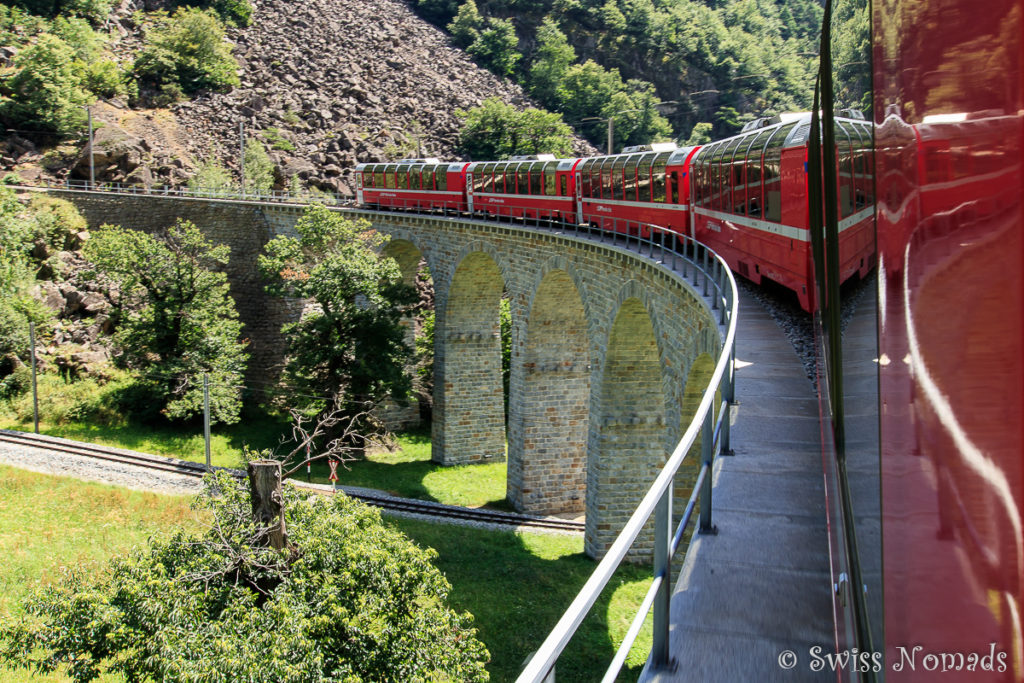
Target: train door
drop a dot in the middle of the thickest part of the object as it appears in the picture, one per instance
(578, 194)
(359, 187)
(469, 191)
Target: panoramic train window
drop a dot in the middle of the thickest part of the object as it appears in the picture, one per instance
(584, 179)
(658, 176)
(487, 178)
(535, 183)
(416, 178)
(643, 178)
(702, 174)
(389, 176)
(606, 178)
(755, 199)
(441, 177)
(617, 168)
(402, 178)
(378, 175)
(737, 176)
(550, 172)
(629, 179)
(844, 169)
(772, 173)
(715, 177)
(510, 178)
(523, 179)
(726, 173)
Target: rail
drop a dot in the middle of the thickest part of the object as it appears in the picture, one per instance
(711, 276)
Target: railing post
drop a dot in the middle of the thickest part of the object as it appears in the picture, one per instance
(706, 273)
(663, 568)
(707, 449)
(729, 394)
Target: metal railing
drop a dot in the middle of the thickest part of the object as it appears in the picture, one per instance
(710, 277)
(301, 198)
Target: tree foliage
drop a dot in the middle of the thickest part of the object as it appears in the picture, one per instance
(349, 341)
(45, 91)
(496, 130)
(492, 42)
(351, 600)
(187, 53)
(176, 318)
(259, 169)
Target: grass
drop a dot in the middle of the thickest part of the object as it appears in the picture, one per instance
(407, 471)
(50, 525)
(516, 585)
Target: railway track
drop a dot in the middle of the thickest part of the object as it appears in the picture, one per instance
(385, 502)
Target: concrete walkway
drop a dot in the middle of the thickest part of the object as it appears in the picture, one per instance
(761, 586)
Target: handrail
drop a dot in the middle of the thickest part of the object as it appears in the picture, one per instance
(705, 268)
(658, 501)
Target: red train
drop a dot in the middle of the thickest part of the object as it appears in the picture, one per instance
(746, 196)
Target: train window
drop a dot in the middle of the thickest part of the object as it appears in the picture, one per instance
(535, 180)
(738, 176)
(753, 162)
(487, 178)
(771, 173)
(700, 190)
(844, 168)
(674, 187)
(583, 178)
(402, 178)
(606, 178)
(550, 178)
(510, 178)
(658, 177)
(564, 185)
(523, 179)
(617, 167)
(416, 178)
(726, 173)
(643, 180)
(389, 176)
(441, 178)
(478, 179)
(378, 175)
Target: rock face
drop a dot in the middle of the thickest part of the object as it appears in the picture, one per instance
(343, 83)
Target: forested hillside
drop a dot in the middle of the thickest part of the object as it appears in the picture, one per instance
(721, 61)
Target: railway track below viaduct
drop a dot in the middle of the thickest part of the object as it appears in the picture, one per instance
(121, 459)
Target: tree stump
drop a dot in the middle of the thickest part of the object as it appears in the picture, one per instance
(268, 501)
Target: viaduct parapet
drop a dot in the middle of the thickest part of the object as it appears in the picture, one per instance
(608, 347)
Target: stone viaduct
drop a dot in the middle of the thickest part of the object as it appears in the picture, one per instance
(607, 346)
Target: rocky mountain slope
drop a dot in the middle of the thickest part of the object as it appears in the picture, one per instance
(325, 84)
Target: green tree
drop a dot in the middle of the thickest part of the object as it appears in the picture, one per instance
(187, 53)
(349, 341)
(18, 307)
(259, 169)
(351, 599)
(495, 47)
(554, 57)
(212, 177)
(467, 24)
(700, 135)
(176, 319)
(496, 130)
(45, 90)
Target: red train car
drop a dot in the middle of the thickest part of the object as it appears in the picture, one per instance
(536, 186)
(750, 201)
(413, 184)
(623, 192)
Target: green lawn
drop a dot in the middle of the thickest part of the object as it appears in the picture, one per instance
(516, 585)
(406, 472)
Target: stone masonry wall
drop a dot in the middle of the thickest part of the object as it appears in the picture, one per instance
(603, 341)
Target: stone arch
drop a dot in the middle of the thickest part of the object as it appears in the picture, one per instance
(408, 257)
(627, 437)
(469, 411)
(550, 402)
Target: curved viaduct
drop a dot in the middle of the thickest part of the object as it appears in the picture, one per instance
(604, 345)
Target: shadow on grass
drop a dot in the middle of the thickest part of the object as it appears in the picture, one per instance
(517, 587)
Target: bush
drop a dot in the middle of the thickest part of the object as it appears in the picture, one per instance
(259, 169)
(187, 53)
(350, 600)
(64, 401)
(45, 92)
(211, 176)
(496, 130)
(177, 319)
